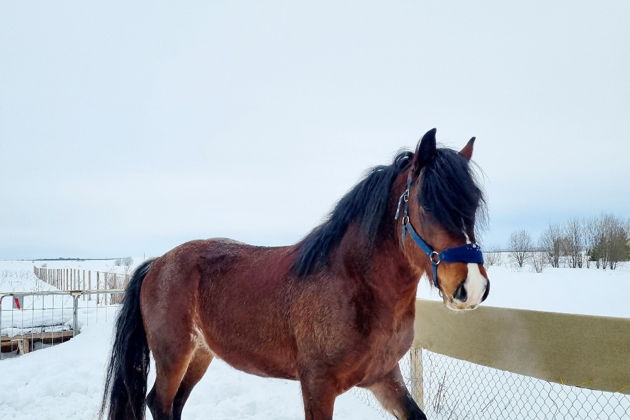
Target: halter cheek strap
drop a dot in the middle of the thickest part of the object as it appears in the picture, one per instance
(469, 253)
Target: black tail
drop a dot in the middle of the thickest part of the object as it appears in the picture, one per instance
(126, 381)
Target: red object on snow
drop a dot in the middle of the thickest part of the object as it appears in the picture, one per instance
(16, 302)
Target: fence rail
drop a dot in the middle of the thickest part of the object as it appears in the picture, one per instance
(498, 363)
(33, 320)
(503, 364)
(579, 350)
(76, 279)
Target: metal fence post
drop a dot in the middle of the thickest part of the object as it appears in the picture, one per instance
(415, 356)
(75, 313)
(1, 297)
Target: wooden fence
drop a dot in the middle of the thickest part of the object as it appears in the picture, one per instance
(76, 279)
(590, 352)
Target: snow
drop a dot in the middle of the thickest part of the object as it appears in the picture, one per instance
(65, 381)
(567, 290)
(18, 276)
(105, 265)
(52, 312)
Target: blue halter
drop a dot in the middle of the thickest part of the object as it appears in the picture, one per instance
(469, 253)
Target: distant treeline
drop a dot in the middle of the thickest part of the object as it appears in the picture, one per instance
(603, 240)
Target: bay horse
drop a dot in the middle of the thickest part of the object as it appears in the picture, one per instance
(333, 311)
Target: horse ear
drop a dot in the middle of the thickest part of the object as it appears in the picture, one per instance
(467, 151)
(425, 151)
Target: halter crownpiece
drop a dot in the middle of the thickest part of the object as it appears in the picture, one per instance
(469, 253)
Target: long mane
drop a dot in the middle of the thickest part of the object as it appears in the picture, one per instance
(366, 203)
(449, 192)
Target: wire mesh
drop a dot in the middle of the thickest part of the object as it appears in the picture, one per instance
(33, 320)
(468, 390)
(455, 389)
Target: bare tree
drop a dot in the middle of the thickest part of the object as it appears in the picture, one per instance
(538, 261)
(619, 238)
(551, 242)
(592, 235)
(574, 242)
(492, 258)
(520, 247)
(610, 241)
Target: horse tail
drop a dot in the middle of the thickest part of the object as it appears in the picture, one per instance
(126, 378)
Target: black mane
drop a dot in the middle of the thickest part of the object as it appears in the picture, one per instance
(449, 193)
(366, 202)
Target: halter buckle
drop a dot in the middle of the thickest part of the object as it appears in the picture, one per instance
(435, 258)
(404, 198)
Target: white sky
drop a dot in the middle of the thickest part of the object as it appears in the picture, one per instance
(130, 127)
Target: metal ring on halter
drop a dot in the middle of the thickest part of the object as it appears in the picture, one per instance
(405, 220)
(433, 257)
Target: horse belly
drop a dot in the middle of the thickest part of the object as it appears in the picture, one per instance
(248, 329)
(257, 352)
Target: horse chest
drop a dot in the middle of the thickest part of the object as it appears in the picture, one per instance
(384, 349)
(397, 341)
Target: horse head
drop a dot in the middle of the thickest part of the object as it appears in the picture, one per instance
(437, 213)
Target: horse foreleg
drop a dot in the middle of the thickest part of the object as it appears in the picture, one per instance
(319, 393)
(393, 395)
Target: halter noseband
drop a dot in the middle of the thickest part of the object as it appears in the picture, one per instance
(469, 253)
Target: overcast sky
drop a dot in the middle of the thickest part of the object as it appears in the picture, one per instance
(127, 128)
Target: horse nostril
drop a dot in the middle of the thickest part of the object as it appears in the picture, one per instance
(487, 292)
(460, 293)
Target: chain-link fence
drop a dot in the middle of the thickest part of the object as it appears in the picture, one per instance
(453, 389)
(458, 389)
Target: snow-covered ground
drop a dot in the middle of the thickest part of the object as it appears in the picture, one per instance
(568, 290)
(65, 381)
(17, 276)
(110, 265)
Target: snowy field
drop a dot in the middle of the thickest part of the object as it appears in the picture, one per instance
(65, 381)
(567, 290)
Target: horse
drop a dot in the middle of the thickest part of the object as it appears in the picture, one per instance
(333, 311)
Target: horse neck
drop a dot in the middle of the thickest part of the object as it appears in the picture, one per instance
(390, 274)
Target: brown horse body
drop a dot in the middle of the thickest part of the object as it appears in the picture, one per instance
(342, 326)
